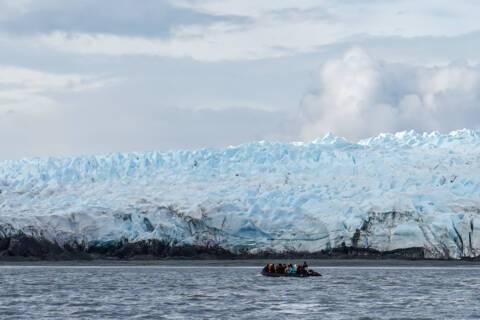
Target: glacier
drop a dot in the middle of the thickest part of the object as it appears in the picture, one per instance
(385, 193)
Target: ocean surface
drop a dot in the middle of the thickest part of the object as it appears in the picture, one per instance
(209, 292)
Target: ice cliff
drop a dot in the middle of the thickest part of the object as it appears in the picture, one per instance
(392, 191)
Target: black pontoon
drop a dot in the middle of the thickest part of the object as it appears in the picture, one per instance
(309, 273)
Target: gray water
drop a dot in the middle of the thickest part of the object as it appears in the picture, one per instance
(171, 292)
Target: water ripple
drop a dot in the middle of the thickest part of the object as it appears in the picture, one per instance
(237, 293)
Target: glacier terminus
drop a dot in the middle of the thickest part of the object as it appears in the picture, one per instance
(408, 194)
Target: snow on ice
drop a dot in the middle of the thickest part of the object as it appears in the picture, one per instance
(387, 192)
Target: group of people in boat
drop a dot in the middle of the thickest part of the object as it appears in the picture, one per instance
(287, 269)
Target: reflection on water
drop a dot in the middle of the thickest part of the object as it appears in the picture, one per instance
(237, 293)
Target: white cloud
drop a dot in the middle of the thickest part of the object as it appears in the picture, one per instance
(26, 90)
(34, 80)
(277, 28)
(250, 8)
(357, 96)
(210, 43)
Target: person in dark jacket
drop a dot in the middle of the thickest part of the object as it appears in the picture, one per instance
(305, 266)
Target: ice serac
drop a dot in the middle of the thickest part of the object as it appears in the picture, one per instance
(389, 192)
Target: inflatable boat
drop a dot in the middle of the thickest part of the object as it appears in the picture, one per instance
(310, 273)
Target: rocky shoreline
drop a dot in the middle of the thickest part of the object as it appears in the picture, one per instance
(22, 247)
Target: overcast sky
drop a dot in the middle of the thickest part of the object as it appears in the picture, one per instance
(86, 76)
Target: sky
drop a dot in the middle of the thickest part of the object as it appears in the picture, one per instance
(94, 77)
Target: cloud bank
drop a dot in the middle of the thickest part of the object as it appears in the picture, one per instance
(150, 18)
(358, 96)
(219, 30)
(85, 76)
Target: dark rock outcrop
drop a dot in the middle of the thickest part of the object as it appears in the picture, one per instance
(25, 247)
(22, 246)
